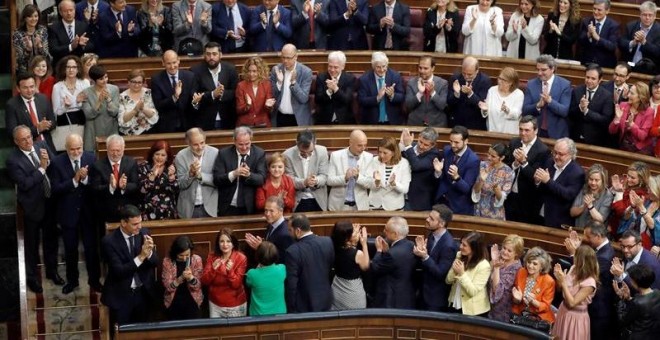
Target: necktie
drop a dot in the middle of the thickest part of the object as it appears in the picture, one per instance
(192, 10)
(269, 30)
(456, 159)
(34, 118)
(35, 159)
(119, 18)
(230, 17)
(591, 95)
(388, 37)
(381, 106)
(132, 240)
(310, 13)
(598, 27)
(240, 199)
(173, 81)
(70, 32)
(544, 110)
(76, 165)
(46, 182)
(269, 231)
(115, 171)
(91, 12)
(427, 94)
(638, 50)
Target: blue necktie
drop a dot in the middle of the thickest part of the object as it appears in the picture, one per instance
(232, 26)
(598, 27)
(382, 117)
(269, 31)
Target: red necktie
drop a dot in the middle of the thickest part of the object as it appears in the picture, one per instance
(115, 171)
(544, 110)
(192, 10)
(34, 118)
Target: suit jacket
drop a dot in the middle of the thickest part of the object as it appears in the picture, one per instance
(423, 182)
(591, 128)
(435, 292)
(115, 45)
(226, 162)
(29, 181)
(369, 106)
(17, 113)
(173, 116)
(258, 114)
(347, 34)
(600, 309)
(556, 112)
(560, 46)
(525, 205)
(458, 194)
(474, 291)
(308, 265)
(393, 271)
(386, 196)
(209, 107)
(431, 112)
(337, 184)
(262, 39)
(282, 239)
(318, 166)
(197, 30)
(93, 26)
(603, 51)
(431, 30)
(58, 40)
(400, 30)
(299, 93)
(74, 202)
(220, 26)
(339, 104)
(558, 195)
(609, 85)
(109, 204)
(647, 258)
(148, 32)
(188, 185)
(301, 25)
(121, 268)
(649, 50)
(465, 110)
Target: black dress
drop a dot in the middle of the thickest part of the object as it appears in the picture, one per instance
(560, 46)
(183, 305)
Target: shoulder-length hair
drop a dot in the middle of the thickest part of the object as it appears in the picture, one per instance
(644, 95)
(341, 233)
(27, 11)
(478, 246)
(573, 11)
(145, 6)
(642, 170)
(537, 253)
(35, 61)
(535, 8)
(179, 245)
(60, 69)
(157, 146)
(390, 143)
(229, 233)
(451, 6)
(596, 169)
(262, 68)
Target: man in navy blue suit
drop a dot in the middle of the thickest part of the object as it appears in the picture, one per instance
(592, 109)
(131, 257)
(467, 89)
(393, 266)
(308, 263)
(599, 36)
(172, 91)
(347, 22)
(119, 31)
(381, 93)
(270, 26)
(458, 170)
(68, 36)
(230, 22)
(277, 231)
(559, 182)
(548, 97)
(72, 187)
(642, 40)
(437, 252)
(420, 155)
(634, 253)
(88, 11)
(389, 22)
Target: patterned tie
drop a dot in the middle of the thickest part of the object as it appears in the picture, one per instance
(598, 27)
(46, 181)
(544, 110)
(76, 165)
(381, 106)
(70, 32)
(35, 159)
(388, 37)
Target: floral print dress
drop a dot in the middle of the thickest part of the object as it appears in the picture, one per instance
(160, 195)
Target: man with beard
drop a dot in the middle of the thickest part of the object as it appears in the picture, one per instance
(634, 254)
(426, 96)
(420, 155)
(214, 97)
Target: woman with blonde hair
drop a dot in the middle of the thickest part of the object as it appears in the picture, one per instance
(633, 183)
(633, 120)
(388, 177)
(440, 27)
(594, 201)
(155, 21)
(277, 183)
(483, 27)
(254, 96)
(505, 262)
(534, 288)
(524, 31)
(88, 60)
(562, 28)
(645, 216)
(504, 102)
(137, 112)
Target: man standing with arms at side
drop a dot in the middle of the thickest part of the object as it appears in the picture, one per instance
(467, 90)
(172, 91)
(529, 153)
(26, 166)
(426, 96)
(291, 82)
(307, 164)
(277, 230)
(334, 92)
(421, 156)
(437, 252)
(591, 110)
(72, 188)
(308, 264)
(198, 196)
(344, 170)
(238, 171)
(214, 97)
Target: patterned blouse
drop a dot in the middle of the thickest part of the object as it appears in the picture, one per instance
(140, 123)
(501, 298)
(23, 54)
(160, 195)
(487, 205)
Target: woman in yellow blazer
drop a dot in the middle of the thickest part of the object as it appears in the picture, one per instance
(468, 277)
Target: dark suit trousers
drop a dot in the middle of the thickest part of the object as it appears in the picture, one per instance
(89, 234)
(518, 210)
(135, 310)
(33, 232)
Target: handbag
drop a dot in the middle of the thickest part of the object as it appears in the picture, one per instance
(530, 320)
(61, 132)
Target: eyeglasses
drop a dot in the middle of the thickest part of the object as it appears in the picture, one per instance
(560, 154)
(71, 67)
(285, 57)
(136, 82)
(630, 246)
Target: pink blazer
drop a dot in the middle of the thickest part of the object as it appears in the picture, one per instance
(168, 276)
(640, 129)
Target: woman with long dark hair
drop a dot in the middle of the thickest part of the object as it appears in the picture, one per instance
(158, 183)
(493, 184)
(562, 28)
(468, 277)
(30, 39)
(388, 177)
(347, 288)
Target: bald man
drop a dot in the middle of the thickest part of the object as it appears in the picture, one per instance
(343, 172)
(466, 90)
(68, 35)
(291, 82)
(172, 91)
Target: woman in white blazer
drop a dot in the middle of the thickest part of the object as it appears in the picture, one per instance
(387, 177)
(525, 23)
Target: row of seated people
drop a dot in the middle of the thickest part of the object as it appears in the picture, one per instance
(210, 95)
(292, 270)
(117, 30)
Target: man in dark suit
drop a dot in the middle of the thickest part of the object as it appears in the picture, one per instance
(172, 91)
(114, 181)
(270, 26)
(26, 166)
(309, 19)
(420, 155)
(642, 40)
(230, 22)
(559, 182)
(634, 253)
(393, 267)
(238, 171)
(529, 153)
(548, 97)
(467, 90)
(591, 110)
(458, 170)
(277, 231)
(347, 21)
(381, 93)
(68, 36)
(131, 257)
(437, 253)
(30, 109)
(599, 36)
(308, 264)
(72, 188)
(88, 11)
(334, 92)
(119, 31)
(214, 97)
(618, 85)
(389, 22)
